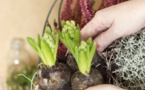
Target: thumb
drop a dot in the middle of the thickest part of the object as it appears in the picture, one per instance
(104, 87)
(106, 38)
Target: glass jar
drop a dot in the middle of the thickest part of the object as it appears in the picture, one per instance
(19, 63)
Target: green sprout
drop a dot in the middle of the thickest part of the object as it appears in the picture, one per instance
(46, 47)
(70, 34)
(82, 51)
(84, 54)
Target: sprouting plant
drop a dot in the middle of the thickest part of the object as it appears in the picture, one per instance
(46, 47)
(70, 35)
(82, 51)
(83, 54)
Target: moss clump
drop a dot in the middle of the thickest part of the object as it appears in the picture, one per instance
(128, 53)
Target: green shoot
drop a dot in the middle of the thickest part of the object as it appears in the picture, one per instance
(46, 47)
(83, 55)
(82, 51)
(70, 35)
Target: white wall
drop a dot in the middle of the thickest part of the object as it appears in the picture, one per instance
(21, 18)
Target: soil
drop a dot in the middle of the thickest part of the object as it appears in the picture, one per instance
(54, 78)
(81, 82)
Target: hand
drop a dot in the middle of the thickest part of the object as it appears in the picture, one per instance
(114, 22)
(104, 87)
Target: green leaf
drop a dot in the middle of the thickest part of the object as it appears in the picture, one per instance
(59, 34)
(92, 53)
(88, 53)
(46, 50)
(63, 23)
(33, 43)
(39, 40)
(67, 36)
(77, 37)
(89, 42)
(47, 30)
(71, 45)
(62, 39)
(66, 43)
(82, 62)
(36, 48)
(76, 54)
(56, 46)
(93, 50)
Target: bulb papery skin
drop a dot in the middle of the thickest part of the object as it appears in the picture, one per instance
(80, 81)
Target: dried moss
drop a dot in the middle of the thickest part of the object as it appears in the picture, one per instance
(128, 53)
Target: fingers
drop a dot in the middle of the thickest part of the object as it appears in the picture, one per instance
(96, 25)
(104, 87)
(107, 37)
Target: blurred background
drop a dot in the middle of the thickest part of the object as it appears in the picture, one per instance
(18, 20)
